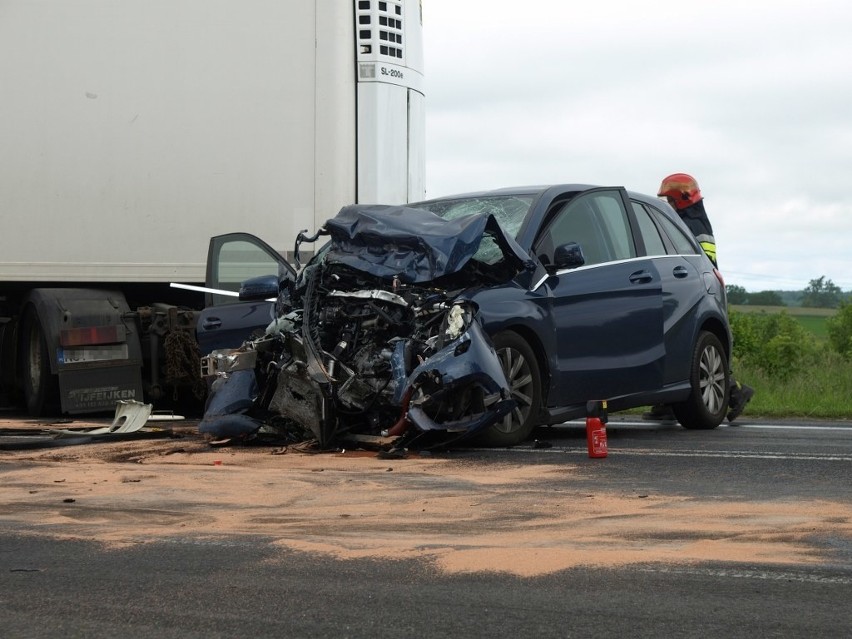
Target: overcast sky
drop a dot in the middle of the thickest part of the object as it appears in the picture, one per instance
(752, 97)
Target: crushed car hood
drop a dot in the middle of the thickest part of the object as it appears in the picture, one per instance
(415, 245)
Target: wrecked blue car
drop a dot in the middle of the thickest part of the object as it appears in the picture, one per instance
(375, 335)
(475, 317)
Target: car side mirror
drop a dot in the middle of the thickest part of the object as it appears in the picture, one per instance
(258, 288)
(568, 255)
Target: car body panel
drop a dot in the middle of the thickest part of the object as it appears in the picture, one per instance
(609, 321)
(619, 327)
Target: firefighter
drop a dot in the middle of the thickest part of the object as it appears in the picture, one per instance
(682, 193)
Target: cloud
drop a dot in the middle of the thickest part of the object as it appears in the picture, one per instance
(751, 98)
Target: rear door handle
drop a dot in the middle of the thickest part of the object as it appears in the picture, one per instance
(211, 323)
(680, 272)
(640, 277)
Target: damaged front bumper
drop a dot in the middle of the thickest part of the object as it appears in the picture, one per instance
(466, 380)
(455, 393)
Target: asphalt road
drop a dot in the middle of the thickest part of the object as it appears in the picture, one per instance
(758, 459)
(248, 587)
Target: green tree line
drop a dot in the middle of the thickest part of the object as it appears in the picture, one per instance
(820, 293)
(794, 373)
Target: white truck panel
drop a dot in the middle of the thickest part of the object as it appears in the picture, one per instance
(335, 113)
(382, 168)
(391, 135)
(416, 147)
(133, 131)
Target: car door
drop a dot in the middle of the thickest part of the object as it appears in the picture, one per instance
(226, 321)
(608, 313)
(677, 258)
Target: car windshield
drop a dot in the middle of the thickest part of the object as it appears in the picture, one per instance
(509, 210)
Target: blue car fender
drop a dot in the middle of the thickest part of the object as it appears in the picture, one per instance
(468, 360)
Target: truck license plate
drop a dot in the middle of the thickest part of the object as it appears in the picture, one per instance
(93, 354)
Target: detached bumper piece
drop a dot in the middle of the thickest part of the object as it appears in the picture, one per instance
(129, 423)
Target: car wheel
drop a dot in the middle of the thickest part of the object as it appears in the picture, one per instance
(41, 388)
(521, 368)
(709, 379)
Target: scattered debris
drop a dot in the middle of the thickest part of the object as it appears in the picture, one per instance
(128, 424)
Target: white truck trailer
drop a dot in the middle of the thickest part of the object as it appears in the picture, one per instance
(132, 131)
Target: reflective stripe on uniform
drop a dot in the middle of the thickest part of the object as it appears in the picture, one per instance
(710, 250)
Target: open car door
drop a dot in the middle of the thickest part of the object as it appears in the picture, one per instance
(227, 321)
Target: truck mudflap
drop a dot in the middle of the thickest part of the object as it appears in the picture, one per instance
(96, 390)
(91, 344)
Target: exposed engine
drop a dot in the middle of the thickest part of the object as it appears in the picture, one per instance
(359, 329)
(369, 340)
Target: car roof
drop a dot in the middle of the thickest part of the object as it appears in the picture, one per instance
(513, 190)
(650, 199)
(538, 189)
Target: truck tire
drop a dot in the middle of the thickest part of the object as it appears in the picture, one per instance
(41, 388)
(709, 379)
(521, 368)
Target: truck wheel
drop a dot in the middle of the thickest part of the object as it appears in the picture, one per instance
(41, 389)
(709, 378)
(521, 368)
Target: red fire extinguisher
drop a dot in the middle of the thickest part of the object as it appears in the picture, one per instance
(596, 428)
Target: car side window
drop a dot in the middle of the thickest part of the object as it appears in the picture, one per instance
(597, 222)
(654, 244)
(681, 241)
(615, 222)
(235, 261)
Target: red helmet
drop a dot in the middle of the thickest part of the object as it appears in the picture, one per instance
(680, 189)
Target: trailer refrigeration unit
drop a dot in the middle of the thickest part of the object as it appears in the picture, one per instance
(134, 131)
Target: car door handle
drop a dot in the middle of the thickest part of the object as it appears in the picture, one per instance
(211, 323)
(640, 277)
(680, 272)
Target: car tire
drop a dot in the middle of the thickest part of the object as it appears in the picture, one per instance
(709, 379)
(41, 388)
(522, 372)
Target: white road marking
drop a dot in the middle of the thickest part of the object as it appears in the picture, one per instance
(786, 427)
(614, 423)
(653, 452)
(744, 454)
(754, 574)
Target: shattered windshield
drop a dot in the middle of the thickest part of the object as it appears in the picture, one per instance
(509, 211)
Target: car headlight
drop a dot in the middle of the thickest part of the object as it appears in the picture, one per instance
(457, 321)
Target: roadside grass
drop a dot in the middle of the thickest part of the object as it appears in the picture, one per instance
(816, 391)
(790, 310)
(817, 387)
(819, 391)
(814, 324)
(812, 319)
